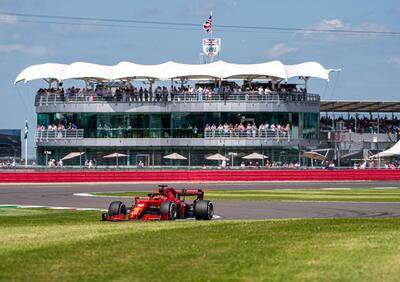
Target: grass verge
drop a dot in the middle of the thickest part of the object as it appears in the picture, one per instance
(51, 245)
(340, 194)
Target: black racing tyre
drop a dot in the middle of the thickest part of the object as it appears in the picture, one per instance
(204, 210)
(169, 208)
(116, 208)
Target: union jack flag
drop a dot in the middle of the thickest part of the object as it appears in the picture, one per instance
(208, 25)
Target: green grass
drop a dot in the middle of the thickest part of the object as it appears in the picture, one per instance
(352, 195)
(63, 245)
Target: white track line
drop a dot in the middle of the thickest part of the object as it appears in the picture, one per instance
(52, 207)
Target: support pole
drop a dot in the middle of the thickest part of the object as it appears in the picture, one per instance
(189, 159)
(378, 123)
(26, 152)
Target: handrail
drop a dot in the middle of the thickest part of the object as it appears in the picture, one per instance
(265, 134)
(45, 99)
(249, 133)
(59, 134)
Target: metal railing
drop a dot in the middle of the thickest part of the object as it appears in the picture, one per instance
(121, 132)
(59, 134)
(44, 99)
(63, 134)
(267, 134)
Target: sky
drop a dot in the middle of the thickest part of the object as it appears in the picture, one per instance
(370, 63)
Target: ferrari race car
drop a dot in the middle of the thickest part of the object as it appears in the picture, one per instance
(165, 204)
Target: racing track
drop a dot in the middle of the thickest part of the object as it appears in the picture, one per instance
(62, 195)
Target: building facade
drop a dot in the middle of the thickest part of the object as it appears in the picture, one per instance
(145, 123)
(10, 145)
(193, 125)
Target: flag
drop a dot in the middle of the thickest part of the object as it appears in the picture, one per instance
(26, 129)
(208, 25)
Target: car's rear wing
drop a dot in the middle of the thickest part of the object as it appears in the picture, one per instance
(190, 192)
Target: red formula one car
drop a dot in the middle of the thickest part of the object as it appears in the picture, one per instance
(165, 204)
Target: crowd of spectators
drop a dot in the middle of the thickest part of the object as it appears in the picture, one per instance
(247, 130)
(371, 164)
(362, 125)
(55, 131)
(59, 127)
(269, 164)
(130, 93)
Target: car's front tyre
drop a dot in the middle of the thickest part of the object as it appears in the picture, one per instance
(170, 209)
(116, 208)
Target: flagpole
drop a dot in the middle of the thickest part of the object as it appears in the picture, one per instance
(26, 142)
(211, 25)
(212, 58)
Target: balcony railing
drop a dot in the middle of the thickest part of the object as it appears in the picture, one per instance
(60, 134)
(65, 134)
(45, 99)
(267, 134)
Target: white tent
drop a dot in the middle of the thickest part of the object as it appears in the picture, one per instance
(72, 155)
(175, 156)
(314, 156)
(217, 157)
(255, 156)
(393, 151)
(171, 70)
(116, 156)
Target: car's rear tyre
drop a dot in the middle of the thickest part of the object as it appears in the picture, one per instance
(204, 210)
(169, 208)
(116, 208)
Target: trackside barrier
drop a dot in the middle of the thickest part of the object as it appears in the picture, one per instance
(199, 175)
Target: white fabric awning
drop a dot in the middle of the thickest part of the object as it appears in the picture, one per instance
(43, 71)
(308, 69)
(72, 155)
(393, 151)
(84, 71)
(217, 157)
(314, 156)
(175, 156)
(255, 156)
(115, 155)
(173, 70)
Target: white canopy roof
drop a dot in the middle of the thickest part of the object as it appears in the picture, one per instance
(82, 70)
(393, 151)
(43, 71)
(168, 70)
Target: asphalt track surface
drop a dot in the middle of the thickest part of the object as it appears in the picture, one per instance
(62, 195)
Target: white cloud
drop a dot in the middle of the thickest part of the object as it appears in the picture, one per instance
(338, 24)
(8, 19)
(332, 24)
(278, 50)
(18, 48)
(202, 9)
(394, 60)
(84, 28)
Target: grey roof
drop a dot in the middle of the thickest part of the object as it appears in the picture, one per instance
(360, 106)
